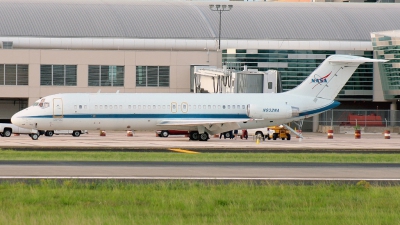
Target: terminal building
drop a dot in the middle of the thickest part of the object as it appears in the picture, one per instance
(49, 47)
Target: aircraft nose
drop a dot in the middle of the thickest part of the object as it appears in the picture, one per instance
(16, 119)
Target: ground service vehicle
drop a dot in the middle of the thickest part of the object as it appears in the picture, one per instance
(75, 133)
(279, 132)
(6, 129)
(166, 133)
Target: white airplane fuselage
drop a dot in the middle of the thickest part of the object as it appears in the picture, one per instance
(134, 111)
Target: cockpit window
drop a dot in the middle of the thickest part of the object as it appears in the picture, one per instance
(42, 103)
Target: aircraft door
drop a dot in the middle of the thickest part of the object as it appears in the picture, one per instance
(57, 108)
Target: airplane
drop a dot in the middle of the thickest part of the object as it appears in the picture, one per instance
(200, 114)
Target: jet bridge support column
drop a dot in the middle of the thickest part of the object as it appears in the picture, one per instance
(393, 108)
(315, 123)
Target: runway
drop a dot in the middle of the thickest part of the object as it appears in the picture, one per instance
(148, 142)
(199, 171)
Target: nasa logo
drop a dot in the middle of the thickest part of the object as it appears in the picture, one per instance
(319, 80)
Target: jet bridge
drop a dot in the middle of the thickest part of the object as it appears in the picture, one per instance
(214, 80)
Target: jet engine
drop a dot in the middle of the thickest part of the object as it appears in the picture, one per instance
(281, 111)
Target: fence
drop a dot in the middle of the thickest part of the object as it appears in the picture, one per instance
(351, 118)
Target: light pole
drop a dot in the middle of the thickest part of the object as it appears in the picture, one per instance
(220, 9)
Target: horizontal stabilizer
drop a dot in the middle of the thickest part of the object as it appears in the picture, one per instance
(353, 59)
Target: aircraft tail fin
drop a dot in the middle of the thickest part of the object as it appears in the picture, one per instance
(329, 78)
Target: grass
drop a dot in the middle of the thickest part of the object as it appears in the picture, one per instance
(181, 202)
(202, 157)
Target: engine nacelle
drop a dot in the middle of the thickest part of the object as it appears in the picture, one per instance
(280, 111)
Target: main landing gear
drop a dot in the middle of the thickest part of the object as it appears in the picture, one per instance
(194, 136)
(34, 136)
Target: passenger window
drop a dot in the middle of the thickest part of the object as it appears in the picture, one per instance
(214, 107)
(223, 107)
(129, 106)
(154, 106)
(115, 107)
(204, 106)
(110, 106)
(139, 107)
(238, 106)
(194, 106)
(134, 106)
(144, 106)
(229, 107)
(219, 107)
(85, 106)
(209, 106)
(120, 106)
(95, 106)
(163, 107)
(243, 107)
(158, 107)
(233, 107)
(101, 106)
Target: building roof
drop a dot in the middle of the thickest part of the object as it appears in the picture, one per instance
(195, 20)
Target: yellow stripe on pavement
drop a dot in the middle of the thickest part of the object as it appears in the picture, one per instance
(183, 151)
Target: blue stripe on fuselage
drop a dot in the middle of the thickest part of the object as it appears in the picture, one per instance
(149, 116)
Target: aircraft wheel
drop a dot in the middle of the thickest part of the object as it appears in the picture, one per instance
(7, 133)
(227, 135)
(49, 133)
(288, 137)
(164, 133)
(76, 133)
(194, 135)
(203, 137)
(34, 136)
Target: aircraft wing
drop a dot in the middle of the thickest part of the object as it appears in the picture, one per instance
(189, 122)
(212, 126)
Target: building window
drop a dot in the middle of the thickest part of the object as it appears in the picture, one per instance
(7, 45)
(13, 74)
(58, 75)
(152, 76)
(106, 75)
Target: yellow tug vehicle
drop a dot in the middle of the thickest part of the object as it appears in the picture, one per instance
(280, 132)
